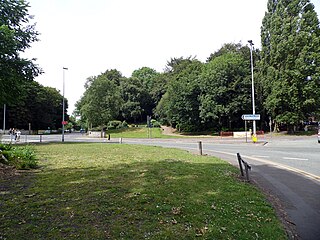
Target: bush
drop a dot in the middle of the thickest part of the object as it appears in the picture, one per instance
(19, 157)
(115, 124)
(125, 124)
(155, 123)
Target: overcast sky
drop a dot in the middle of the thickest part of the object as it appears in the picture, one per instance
(89, 37)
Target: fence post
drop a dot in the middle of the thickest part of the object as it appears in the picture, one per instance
(200, 147)
(240, 164)
(247, 167)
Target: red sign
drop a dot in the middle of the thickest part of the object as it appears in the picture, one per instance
(64, 122)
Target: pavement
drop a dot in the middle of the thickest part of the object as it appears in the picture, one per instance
(295, 197)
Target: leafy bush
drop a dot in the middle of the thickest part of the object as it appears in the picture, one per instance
(125, 124)
(155, 123)
(19, 157)
(115, 124)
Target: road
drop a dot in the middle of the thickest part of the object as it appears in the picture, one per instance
(286, 168)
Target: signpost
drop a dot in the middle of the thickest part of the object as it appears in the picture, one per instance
(250, 117)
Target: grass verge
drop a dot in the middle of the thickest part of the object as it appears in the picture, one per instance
(138, 132)
(108, 191)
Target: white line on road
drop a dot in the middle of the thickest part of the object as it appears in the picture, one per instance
(260, 156)
(291, 158)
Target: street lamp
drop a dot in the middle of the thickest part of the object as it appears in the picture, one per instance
(63, 107)
(253, 105)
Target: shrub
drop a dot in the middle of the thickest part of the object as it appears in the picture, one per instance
(155, 123)
(115, 124)
(125, 124)
(19, 157)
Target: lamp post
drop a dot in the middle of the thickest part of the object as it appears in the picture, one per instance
(252, 84)
(63, 105)
(4, 118)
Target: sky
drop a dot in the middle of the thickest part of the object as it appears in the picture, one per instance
(90, 37)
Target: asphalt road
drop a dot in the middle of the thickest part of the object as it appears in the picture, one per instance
(286, 168)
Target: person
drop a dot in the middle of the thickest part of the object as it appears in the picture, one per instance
(18, 134)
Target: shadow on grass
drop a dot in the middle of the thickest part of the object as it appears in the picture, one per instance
(165, 199)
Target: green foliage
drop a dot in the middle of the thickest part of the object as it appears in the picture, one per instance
(16, 35)
(226, 88)
(38, 105)
(19, 157)
(124, 124)
(115, 124)
(101, 101)
(180, 105)
(290, 61)
(155, 123)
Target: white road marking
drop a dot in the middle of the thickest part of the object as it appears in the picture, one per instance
(260, 156)
(299, 159)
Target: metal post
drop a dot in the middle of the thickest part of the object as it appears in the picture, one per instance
(252, 85)
(247, 167)
(63, 104)
(240, 164)
(200, 147)
(245, 129)
(4, 117)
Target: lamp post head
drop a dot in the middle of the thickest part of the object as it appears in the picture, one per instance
(64, 68)
(250, 42)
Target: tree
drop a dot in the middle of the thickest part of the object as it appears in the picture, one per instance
(225, 88)
(38, 105)
(101, 101)
(133, 95)
(16, 35)
(149, 80)
(180, 105)
(290, 61)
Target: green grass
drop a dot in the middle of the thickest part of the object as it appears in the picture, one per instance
(138, 132)
(109, 191)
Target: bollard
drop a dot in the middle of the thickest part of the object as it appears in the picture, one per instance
(108, 137)
(200, 147)
(40, 138)
(120, 140)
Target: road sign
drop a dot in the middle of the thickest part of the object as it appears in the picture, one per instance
(250, 117)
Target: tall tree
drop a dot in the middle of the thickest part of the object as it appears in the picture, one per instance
(290, 61)
(38, 105)
(16, 35)
(180, 105)
(225, 88)
(101, 101)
